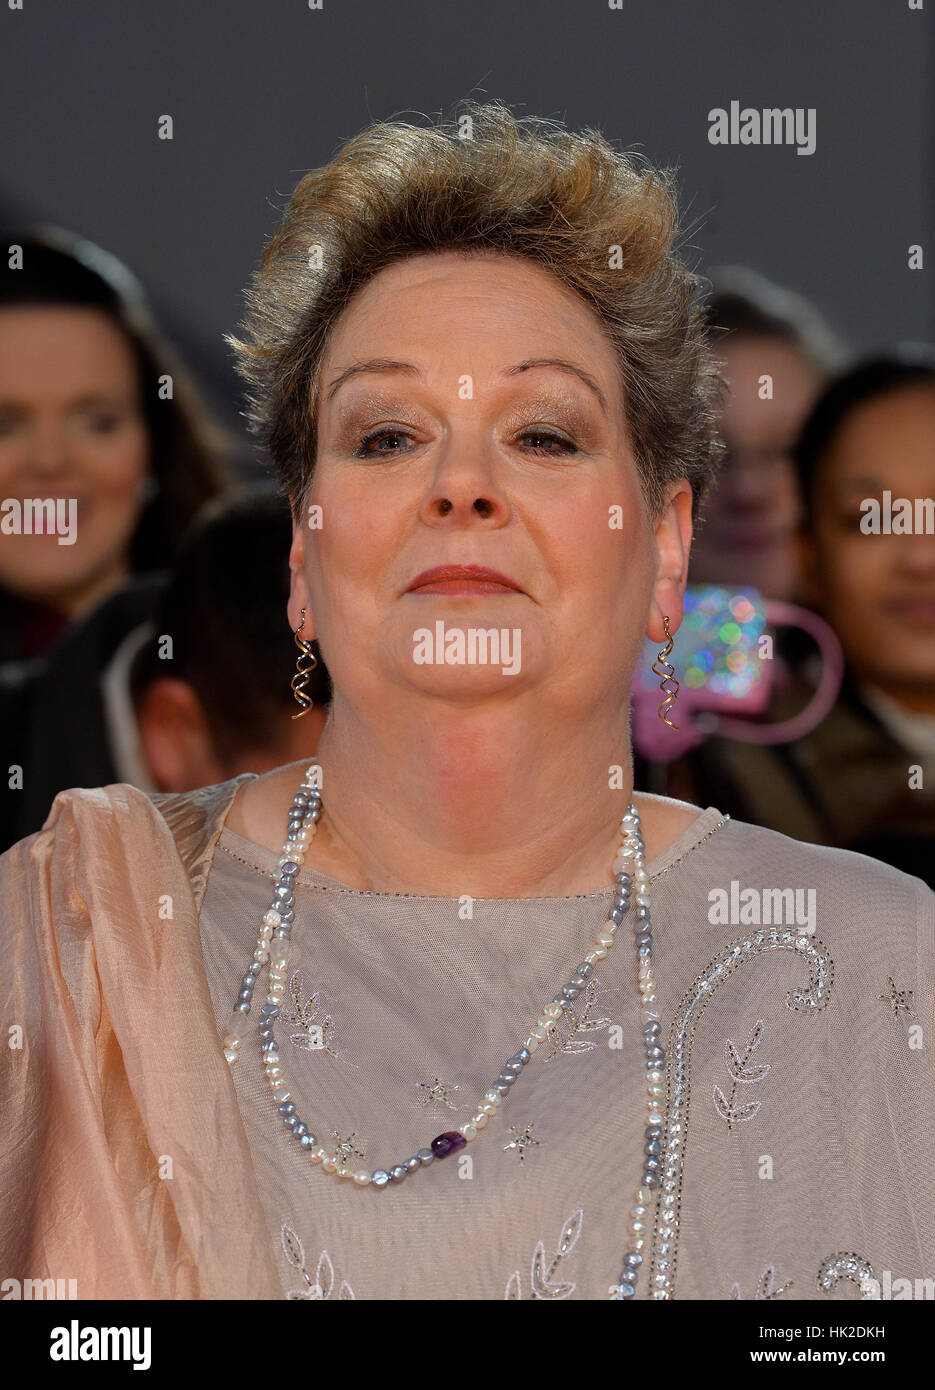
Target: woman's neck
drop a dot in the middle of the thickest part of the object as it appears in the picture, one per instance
(462, 806)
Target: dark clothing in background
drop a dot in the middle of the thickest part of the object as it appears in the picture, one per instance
(847, 783)
(52, 716)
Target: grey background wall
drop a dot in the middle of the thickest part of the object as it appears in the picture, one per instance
(262, 90)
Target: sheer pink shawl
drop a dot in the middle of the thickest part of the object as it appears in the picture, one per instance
(124, 1163)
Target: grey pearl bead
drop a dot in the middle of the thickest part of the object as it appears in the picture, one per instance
(570, 991)
(623, 880)
(425, 1157)
(398, 1173)
(301, 1131)
(245, 995)
(380, 1177)
(287, 1108)
(524, 1055)
(270, 1010)
(513, 1067)
(290, 1121)
(307, 1140)
(626, 1290)
(585, 969)
(502, 1086)
(506, 1079)
(412, 1164)
(242, 1006)
(290, 869)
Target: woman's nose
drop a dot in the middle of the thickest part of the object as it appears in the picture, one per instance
(465, 487)
(48, 451)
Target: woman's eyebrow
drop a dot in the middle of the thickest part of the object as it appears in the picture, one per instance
(387, 364)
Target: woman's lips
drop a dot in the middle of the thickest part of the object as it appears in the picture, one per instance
(463, 586)
(462, 579)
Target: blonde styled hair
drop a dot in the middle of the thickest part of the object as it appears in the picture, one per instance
(603, 222)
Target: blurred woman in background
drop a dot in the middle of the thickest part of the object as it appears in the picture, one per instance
(96, 415)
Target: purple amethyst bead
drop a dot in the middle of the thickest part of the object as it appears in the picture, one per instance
(445, 1144)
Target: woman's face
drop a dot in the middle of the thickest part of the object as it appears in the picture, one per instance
(71, 427)
(753, 513)
(472, 455)
(878, 591)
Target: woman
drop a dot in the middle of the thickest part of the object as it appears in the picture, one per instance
(96, 420)
(467, 353)
(864, 778)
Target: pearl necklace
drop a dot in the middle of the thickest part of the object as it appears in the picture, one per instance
(273, 945)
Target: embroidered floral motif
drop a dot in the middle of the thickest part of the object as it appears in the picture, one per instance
(316, 1033)
(847, 1265)
(437, 1092)
(764, 1287)
(344, 1150)
(678, 1071)
(898, 999)
(741, 1072)
(324, 1284)
(541, 1278)
(521, 1141)
(563, 1036)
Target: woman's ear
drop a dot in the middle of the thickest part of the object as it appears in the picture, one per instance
(673, 535)
(298, 588)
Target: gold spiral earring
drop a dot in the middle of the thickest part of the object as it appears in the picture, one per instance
(303, 672)
(668, 684)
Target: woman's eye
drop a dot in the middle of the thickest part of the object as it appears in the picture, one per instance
(565, 445)
(379, 436)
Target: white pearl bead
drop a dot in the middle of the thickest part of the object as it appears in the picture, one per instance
(480, 1119)
(655, 1117)
(494, 1098)
(469, 1131)
(597, 953)
(330, 1163)
(345, 1172)
(361, 1178)
(531, 1043)
(232, 1055)
(318, 1154)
